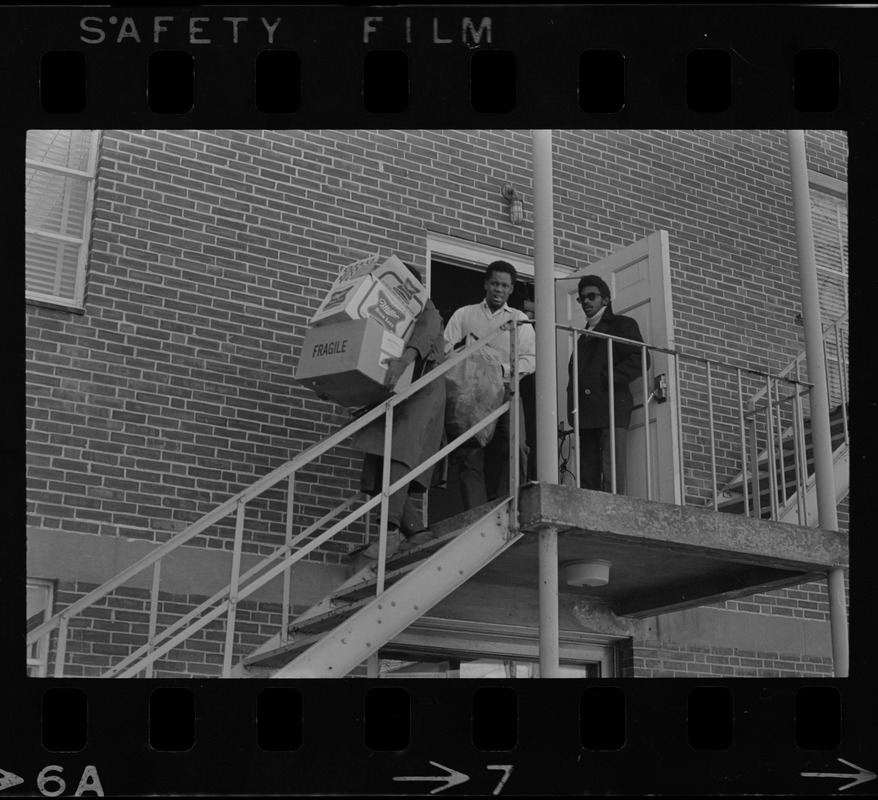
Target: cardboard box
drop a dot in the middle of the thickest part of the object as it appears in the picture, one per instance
(344, 361)
(362, 298)
(393, 274)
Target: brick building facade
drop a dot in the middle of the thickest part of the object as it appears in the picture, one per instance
(169, 387)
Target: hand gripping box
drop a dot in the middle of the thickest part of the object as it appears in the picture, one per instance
(362, 298)
(393, 274)
(344, 360)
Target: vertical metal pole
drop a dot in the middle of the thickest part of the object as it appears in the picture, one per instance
(678, 387)
(743, 429)
(285, 608)
(61, 651)
(153, 611)
(646, 396)
(800, 457)
(233, 592)
(546, 390)
(385, 498)
(714, 488)
(754, 462)
(772, 458)
(577, 443)
(612, 393)
(820, 427)
(782, 474)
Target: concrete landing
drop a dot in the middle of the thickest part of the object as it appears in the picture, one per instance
(665, 557)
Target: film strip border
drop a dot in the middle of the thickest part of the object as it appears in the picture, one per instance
(439, 66)
(428, 66)
(555, 738)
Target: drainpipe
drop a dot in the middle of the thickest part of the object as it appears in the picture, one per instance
(819, 394)
(546, 391)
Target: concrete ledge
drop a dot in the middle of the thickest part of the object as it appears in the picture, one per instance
(729, 537)
(715, 627)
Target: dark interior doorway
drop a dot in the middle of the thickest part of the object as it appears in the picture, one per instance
(453, 286)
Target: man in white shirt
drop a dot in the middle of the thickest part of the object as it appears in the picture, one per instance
(475, 463)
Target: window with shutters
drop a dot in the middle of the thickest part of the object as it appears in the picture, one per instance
(59, 185)
(829, 220)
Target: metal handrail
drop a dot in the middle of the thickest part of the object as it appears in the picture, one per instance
(776, 435)
(233, 593)
(835, 325)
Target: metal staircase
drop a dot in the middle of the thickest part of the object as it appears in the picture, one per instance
(352, 623)
(780, 483)
(792, 505)
(367, 610)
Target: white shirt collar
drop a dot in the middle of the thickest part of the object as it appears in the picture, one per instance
(591, 323)
(487, 308)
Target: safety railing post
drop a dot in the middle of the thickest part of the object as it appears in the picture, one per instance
(782, 470)
(612, 401)
(743, 431)
(385, 499)
(712, 436)
(288, 523)
(233, 591)
(646, 398)
(754, 462)
(800, 457)
(675, 360)
(772, 458)
(153, 611)
(61, 650)
(575, 394)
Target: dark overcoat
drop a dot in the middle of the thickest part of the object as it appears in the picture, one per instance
(594, 385)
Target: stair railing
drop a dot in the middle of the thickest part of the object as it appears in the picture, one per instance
(243, 585)
(833, 336)
(784, 390)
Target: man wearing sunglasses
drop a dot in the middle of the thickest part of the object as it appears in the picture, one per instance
(595, 470)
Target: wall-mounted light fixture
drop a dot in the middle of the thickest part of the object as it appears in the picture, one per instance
(595, 572)
(516, 204)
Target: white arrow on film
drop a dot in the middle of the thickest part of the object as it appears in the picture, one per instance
(452, 778)
(862, 776)
(8, 779)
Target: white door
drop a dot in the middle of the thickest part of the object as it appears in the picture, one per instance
(640, 286)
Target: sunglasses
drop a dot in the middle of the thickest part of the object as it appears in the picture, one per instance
(589, 296)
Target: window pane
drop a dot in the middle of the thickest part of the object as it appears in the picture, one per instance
(68, 149)
(51, 267)
(479, 668)
(56, 203)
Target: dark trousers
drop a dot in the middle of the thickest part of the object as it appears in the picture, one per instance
(595, 467)
(401, 510)
(484, 471)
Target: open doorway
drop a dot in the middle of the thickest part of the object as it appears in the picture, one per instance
(453, 285)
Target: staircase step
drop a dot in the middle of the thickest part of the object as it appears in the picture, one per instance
(401, 564)
(282, 655)
(329, 619)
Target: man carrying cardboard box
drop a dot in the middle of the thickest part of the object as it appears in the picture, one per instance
(418, 426)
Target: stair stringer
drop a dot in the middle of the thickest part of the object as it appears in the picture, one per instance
(386, 616)
(841, 463)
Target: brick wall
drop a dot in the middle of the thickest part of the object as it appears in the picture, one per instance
(663, 660)
(118, 625)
